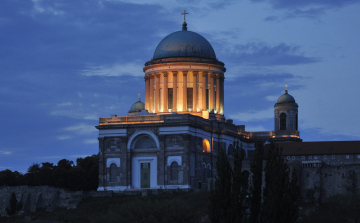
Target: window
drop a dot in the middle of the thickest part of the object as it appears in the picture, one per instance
(296, 121)
(315, 157)
(282, 121)
(333, 156)
(170, 98)
(288, 158)
(310, 157)
(189, 99)
(208, 172)
(302, 157)
(174, 171)
(325, 157)
(113, 173)
(293, 157)
(206, 145)
(347, 156)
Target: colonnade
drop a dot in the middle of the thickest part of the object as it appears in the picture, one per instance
(207, 89)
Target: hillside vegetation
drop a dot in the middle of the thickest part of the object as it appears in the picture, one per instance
(177, 207)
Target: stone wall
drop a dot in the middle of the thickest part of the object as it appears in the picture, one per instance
(49, 198)
(322, 181)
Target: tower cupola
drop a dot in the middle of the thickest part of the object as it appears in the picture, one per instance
(286, 112)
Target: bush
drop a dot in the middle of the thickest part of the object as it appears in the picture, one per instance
(339, 208)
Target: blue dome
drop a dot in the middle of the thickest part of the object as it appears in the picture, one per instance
(184, 44)
(137, 107)
(286, 99)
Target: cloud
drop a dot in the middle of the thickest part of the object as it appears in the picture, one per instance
(272, 97)
(80, 156)
(253, 115)
(91, 141)
(81, 129)
(131, 69)
(6, 152)
(261, 54)
(64, 137)
(286, 4)
(305, 8)
(75, 114)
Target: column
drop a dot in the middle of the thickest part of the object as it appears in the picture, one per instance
(157, 91)
(147, 93)
(211, 92)
(222, 95)
(218, 89)
(165, 92)
(174, 91)
(151, 95)
(184, 90)
(204, 86)
(195, 75)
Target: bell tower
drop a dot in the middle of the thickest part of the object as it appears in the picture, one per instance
(286, 112)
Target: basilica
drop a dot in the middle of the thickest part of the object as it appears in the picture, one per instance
(172, 140)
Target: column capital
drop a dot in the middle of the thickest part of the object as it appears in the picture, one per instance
(174, 73)
(185, 72)
(196, 72)
(205, 73)
(165, 73)
(157, 75)
(211, 75)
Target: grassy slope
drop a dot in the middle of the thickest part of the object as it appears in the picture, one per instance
(178, 207)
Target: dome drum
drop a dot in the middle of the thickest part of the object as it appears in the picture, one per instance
(184, 76)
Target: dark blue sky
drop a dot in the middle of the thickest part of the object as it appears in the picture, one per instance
(66, 63)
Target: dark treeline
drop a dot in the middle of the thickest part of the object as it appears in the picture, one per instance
(272, 195)
(80, 176)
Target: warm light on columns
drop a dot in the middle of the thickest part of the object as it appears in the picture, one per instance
(203, 95)
(211, 92)
(184, 88)
(165, 91)
(174, 91)
(195, 86)
(218, 89)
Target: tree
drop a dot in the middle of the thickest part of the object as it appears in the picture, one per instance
(9, 178)
(239, 185)
(221, 195)
(231, 185)
(281, 193)
(256, 189)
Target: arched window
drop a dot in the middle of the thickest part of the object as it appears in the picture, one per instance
(296, 122)
(143, 141)
(282, 121)
(174, 171)
(208, 172)
(204, 173)
(113, 173)
(206, 146)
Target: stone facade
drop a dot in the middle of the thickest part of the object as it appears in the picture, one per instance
(180, 150)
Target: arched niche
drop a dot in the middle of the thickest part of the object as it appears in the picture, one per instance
(143, 140)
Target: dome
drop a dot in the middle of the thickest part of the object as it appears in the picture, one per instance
(184, 44)
(286, 99)
(137, 107)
